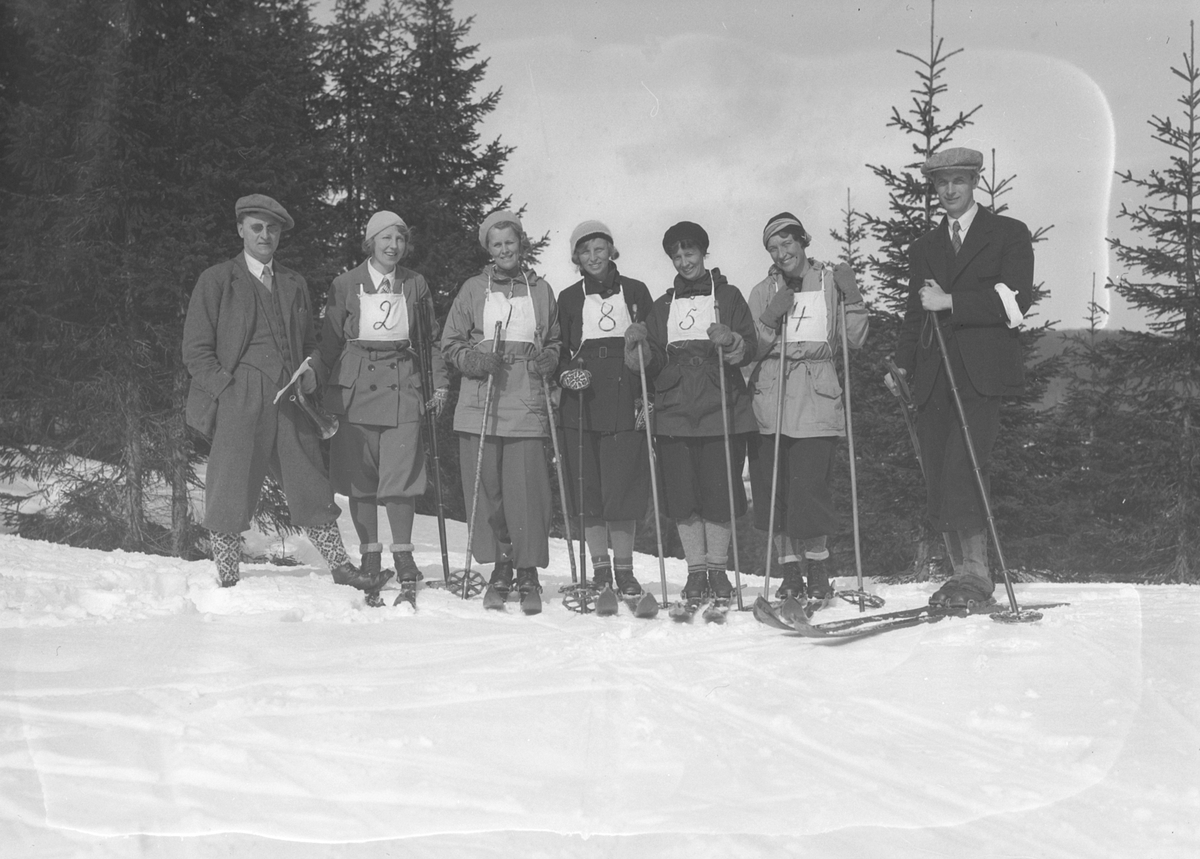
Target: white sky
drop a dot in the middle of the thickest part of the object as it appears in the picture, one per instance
(641, 114)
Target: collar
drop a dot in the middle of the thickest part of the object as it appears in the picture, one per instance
(964, 220)
(606, 287)
(256, 267)
(377, 276)
(706, 285)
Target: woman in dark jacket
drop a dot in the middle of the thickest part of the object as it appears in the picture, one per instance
(375, 386)
(702, 312)
(593, 315)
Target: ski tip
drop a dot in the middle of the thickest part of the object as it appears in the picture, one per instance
(646, 606)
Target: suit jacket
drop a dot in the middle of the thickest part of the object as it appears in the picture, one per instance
(996, 250)
(220, 320)
(387, 391)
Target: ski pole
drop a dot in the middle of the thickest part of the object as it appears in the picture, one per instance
(860, 596)
(562, 484)
(582, 528)
(662, 564)
(737, 576)
(466, 574)
(424, 325)
(1014, 614)
(766, 592)
(904, 395)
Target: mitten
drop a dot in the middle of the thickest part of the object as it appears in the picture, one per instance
(437, 403)
(480, 365)
(545, 363)
(721, 334)
(575, 379)
(634, 334)
(777, 309)
(847, 283)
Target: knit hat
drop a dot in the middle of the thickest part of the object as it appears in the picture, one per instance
(685, 231)
(782, 220)
(262, 206)
(493, 219)
(589, 230)
(380, 221)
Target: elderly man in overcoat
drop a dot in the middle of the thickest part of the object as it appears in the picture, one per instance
(249, 328)
(975, 271)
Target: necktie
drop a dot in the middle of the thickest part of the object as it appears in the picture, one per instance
(266, 277)
(386, 285)
(956, 237)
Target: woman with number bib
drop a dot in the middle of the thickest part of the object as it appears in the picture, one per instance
(514, 493)
(803, 295)
(601, 401)
(699, 329)
(375, 387)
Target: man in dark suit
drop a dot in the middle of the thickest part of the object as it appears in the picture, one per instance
(975, 271)
(249, 328)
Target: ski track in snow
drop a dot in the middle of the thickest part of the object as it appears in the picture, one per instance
(146, 712)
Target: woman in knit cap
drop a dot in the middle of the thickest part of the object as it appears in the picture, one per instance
(514, 495)
(702, 312)
(593, 315)
(803, 295)
(375, 386)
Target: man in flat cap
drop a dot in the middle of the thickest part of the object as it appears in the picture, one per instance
(249, 328)
(975, 270)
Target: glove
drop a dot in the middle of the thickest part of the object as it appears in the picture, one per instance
(721, 334)
(778, 309)
(575, 379)
(847, 283)
(634, 334)
(437, 403)
(480, 365)
(545, 363)
(307, 381)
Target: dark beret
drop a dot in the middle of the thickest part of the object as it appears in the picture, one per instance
(262, 206)
(957, 158)
(685, 231)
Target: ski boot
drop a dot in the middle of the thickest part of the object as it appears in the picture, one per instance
(530, 590)
(369, 579)
(820, 591)
(693, 594)
(602, 574)
(972, 594)
(791, 582)
(627, 584)
(722, 591)
(602, 583)
(499, 584)
(407, 576)
(940, 597)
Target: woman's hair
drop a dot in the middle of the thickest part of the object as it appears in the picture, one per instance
(368, 245)
(796, 233)
(525, 245)
(613, 253)
(686, 245)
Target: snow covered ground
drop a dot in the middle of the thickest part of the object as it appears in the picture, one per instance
(144, 712)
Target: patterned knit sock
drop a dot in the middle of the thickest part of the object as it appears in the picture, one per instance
(328, 540)
(227, 552)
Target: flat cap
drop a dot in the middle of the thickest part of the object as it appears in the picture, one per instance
(380, 221)
(957, 158)
(262, 206)
(685, 231)
(498, 217)
(589, 230)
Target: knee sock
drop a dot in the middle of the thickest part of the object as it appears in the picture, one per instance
(328, 541)
(365, 516)
(785, 549)
(595, 531)
(227, 552)
(691, 535)
(620, 534)
(400, 513)
(716, 536)
(815, 548)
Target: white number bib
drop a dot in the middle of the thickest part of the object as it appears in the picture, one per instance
(517, 320)
(605, 317)
(690, 317)
(808, 320)
(382, 316)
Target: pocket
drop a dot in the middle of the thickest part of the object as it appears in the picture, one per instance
(825, 382)
(345, 373)
(667, 388)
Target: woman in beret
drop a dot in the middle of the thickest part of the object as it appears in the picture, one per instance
(802, 294)
(593, 315)
(700, 313)
(375, 385)
(514, 495)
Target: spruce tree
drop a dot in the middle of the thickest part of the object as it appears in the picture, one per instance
(1161, 366)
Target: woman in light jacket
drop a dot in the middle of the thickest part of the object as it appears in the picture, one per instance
(375, 386)
(804, 295)
(514, 495)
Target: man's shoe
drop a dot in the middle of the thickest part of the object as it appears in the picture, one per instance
(369, 579)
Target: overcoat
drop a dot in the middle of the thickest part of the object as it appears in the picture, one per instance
(377, 384)
(519, 407)
(687, 393)
(812, 404)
